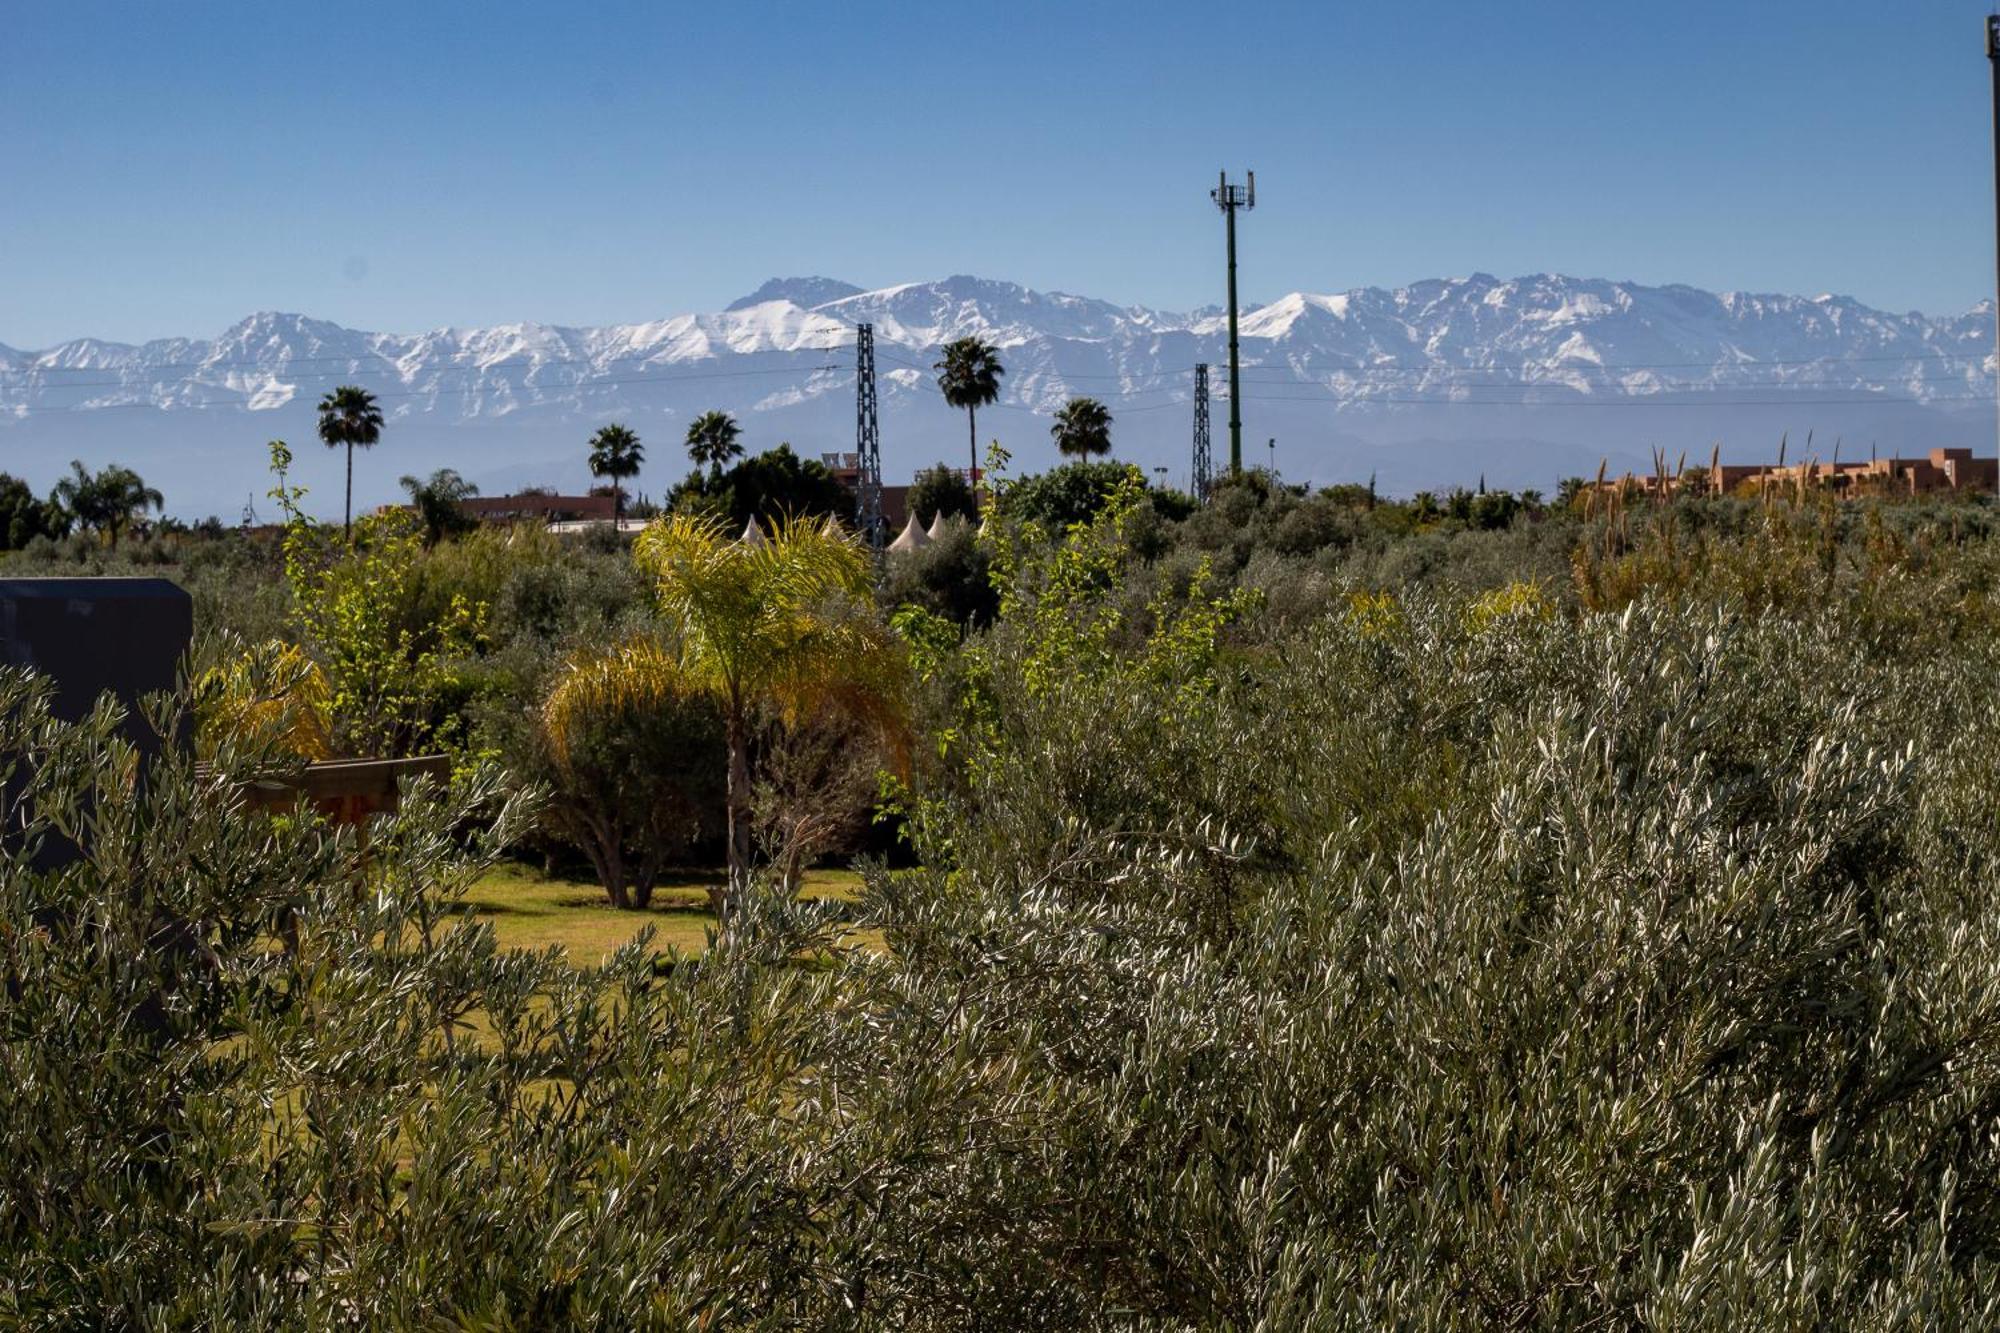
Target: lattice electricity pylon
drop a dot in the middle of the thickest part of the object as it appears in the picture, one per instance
(1201, 463)
(867, 439)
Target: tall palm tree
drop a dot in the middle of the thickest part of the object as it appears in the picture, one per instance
(348, 416)
(786, 622)
(615, 452)
(711, 439)
(969, 377)
(1083, 428)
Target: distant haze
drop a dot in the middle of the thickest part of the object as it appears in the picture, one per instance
(1437, 383)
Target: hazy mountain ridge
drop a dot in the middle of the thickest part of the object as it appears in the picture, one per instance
(1336, 376)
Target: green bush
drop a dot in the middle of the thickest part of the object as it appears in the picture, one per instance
(1286, 951)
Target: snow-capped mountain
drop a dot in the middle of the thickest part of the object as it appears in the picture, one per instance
(1421, 385)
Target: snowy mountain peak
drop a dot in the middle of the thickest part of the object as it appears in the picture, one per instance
(1472, 358)
(802, 292)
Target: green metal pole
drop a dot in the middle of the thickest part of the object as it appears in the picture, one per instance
(1993, 58)
(1235, 383)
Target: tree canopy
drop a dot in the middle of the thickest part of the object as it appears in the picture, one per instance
(107, 501)
(712, 441)
(774, 485)
(941, 490)
(1082, 428)
(615, 452)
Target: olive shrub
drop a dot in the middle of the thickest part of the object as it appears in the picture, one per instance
(1443, 962)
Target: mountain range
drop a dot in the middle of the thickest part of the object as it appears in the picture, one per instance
(1517, 381)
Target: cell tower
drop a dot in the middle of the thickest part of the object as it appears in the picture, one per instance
(1201, 463)
(1229, 198)
(867, 439)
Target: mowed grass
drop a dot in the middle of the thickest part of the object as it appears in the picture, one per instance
(530, 910)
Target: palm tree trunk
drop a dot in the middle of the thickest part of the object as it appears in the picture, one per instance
(347, 514)
(738, 803)
(972, 432)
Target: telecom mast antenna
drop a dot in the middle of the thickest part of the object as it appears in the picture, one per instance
(1229, 198)
(1201, 463)
(867, 439)
(1993, 59)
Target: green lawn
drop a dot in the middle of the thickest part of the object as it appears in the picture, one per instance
(530, 910)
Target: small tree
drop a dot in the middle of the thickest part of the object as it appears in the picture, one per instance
(636, 759)
(817, 781)
(348, 416)
(969, 377)
(779, 623)
(615, 452)
(1082, 428)
(440, 503)
(712, 441)
(940, 490)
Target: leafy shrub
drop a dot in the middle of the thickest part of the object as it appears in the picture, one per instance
(634, 760)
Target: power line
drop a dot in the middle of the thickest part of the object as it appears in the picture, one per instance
(463, 392)
(138, 373)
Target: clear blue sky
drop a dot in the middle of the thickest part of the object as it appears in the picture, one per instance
(166, 169)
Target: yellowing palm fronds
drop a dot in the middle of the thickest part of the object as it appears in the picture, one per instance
(272, 696)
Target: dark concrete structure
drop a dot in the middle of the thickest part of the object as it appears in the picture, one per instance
(125, 637)
(91, 637)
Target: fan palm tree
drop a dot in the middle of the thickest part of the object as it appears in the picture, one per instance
(787, 623)
(711, 439)
(615, 452)
(348, 416)
(969, 377)
(1083, 428)
(108, 501)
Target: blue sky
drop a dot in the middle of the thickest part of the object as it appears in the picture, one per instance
(166, 169)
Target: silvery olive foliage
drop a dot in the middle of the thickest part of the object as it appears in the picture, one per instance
(1443, 962)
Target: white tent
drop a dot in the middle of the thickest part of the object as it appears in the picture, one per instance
(937, 526)
(912, 536)
(752, 534)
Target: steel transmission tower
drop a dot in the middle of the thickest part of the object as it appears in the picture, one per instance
(1201, 462)
(1229, 198)
(867, 439)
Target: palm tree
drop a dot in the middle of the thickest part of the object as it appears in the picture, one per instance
(711, 439)
(440, 502)
(615, 452)
(1083, 428)
(786, 622)
(348, 416)
(125, 498)
(108, 501)
(969, 377)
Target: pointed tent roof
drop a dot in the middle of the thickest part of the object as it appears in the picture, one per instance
(752, 534)
(936, 529)
(913, 536)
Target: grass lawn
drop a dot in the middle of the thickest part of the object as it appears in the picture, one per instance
(530, 910)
